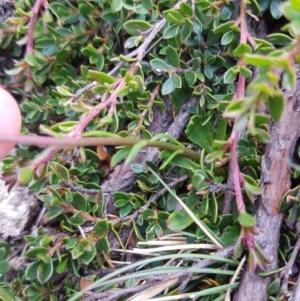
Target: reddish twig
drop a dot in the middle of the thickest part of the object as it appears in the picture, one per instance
(35, 10)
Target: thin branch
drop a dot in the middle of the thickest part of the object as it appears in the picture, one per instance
(57, 143)
(80, 188)
(32, 22)
(141, 51)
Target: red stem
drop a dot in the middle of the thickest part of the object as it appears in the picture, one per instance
(34, 11)
(239, 93)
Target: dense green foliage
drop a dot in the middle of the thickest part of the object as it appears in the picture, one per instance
(101, 69)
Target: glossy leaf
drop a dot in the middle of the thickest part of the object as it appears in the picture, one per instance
(200, 134)
(136, 27)
(178, 221)
(246, 220)
(45, 271)
(100, 76)
(159, 65)
(172, 56)
(276, 105)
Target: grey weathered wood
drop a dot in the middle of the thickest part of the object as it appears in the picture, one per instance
(275, 179)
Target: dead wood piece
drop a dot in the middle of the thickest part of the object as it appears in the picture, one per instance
(122, 178)
(17, 209)
(275, 181)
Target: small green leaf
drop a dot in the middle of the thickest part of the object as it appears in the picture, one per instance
(77, 251)
(147, 4)
(64, 91)
(258, 60)
(289, 78)
(5, 245)
(31, 272)
(102, 245)
(159, 65)
(242, 49)
(25, 175)
(275, 9)
(252, 189)
(286, 202)
(234, 108)
(137, 168)
(246, 72)
(71, 243)
(101, 227)
(223, 27)
(4, 267)
(136, 27)
(261, 119)
(246, 220)
(49, 49)
(116, 5)
(88, 256)
(125, 210)
(174, 16)
(60, 171)
(80, 201)
(5, 295)
(190, 77)
(274, 286)
(200, 134)
(126, 59)
(186, 30)
(213, 204)
(168, 86)
(121, 203)
(276, 104)
(45, 271)
(172, 56)
(61, 267)
(101, 77)
(230, 234)
(227, 38)
(14, 71)
(280, 39)
(36, 252)
(186, 9)
(256, 8)
(170, 32)
(178, 221)
(121, 195)
(31, 60)
(231, 74)
(226, 13)
(85, 9)
(238, 249)
(220, 133)
(140, 84)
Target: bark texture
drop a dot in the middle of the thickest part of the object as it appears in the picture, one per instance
(275, 181)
